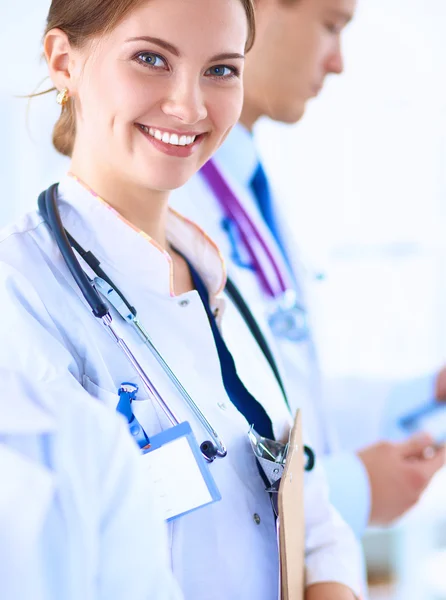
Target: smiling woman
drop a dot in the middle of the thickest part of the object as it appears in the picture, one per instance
(148, 91)
(83, 23)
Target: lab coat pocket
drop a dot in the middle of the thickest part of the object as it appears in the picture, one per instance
(143, 407)
(111, 399)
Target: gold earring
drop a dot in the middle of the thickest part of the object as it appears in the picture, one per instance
(62, 97)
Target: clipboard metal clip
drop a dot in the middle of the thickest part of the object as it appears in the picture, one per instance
(270, 454)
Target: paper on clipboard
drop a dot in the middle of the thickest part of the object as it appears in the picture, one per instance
(291, 518)
(177, 473)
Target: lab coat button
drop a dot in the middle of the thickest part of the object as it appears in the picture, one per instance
(184, 303)
(256, 519)
(222, 405)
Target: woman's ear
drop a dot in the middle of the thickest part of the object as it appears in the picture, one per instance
(58, 54)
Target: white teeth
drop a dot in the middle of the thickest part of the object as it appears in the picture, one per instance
(169, 138)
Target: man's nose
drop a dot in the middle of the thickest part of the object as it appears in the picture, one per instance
(335, 62)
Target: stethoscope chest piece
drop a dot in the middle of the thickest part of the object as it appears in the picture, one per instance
(288, 319)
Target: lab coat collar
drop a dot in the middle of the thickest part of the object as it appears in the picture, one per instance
(98, 228)
(238, 155)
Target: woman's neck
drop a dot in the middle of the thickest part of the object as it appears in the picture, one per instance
(144, 208)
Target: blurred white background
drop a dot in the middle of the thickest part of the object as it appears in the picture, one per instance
(364, 179)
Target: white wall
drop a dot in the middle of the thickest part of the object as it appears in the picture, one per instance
(27, 161)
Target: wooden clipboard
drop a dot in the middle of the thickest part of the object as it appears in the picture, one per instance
(291, 519)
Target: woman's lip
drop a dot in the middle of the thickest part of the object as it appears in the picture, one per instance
(172, 131)
(170, 149)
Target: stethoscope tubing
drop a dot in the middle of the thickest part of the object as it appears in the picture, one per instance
(48, 207)
(234, 210)
(107, 322)
(220, 447)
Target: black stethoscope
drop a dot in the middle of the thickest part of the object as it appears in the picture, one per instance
(211, 449)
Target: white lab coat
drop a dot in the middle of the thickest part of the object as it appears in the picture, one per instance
(228, 549)
(348, 480)
(74, 523)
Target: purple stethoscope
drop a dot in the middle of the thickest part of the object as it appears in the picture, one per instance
(287, 317)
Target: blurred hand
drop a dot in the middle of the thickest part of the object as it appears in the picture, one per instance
(328, 591)
(398, 474)
(440, 385)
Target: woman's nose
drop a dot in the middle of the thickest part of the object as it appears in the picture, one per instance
(185, 102)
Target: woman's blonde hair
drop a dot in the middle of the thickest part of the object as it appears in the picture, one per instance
(82, 20)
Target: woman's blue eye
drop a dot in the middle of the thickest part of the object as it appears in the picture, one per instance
(221, 71)
(151, 60)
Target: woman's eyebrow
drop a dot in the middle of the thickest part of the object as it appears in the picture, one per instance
(174, 50)
(158, 41)
(227, 56)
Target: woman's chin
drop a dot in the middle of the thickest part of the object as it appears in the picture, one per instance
(170, 181)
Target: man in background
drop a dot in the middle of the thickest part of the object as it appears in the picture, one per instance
(298, 44)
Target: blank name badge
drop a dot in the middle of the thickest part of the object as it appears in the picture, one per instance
(178, 475)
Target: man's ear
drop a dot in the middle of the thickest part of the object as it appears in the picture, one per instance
(58, 54)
